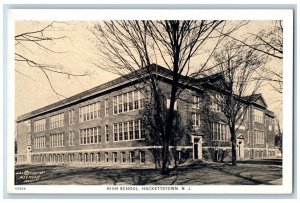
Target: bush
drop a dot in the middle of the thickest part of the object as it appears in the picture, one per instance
(215, 155)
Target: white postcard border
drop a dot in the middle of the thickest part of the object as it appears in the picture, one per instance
(130, 14)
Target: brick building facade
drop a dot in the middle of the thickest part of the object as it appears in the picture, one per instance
(103, 125)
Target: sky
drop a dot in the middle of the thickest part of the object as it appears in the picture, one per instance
(77, 53)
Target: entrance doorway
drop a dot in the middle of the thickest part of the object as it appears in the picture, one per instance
(197, 147)
(240, 147)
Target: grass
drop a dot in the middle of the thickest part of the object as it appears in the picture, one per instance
(246, 173)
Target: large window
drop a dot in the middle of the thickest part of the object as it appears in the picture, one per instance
(39, 125)
(115, 157)
(71, 117)
(259, 137)
(123, 157)
(220, 132)
(142, 157)
(57, 121)
(215, 100)
(127, 102)
(57, 140)
(196, 119)
(90, 135)
(131, 130)
(258, 116)
(39, 142)
(89, 112)
(196, 102)
(71, 138)
(106, 133)
(168, 104)
(131, 157)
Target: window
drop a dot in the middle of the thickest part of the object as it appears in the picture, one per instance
(137, 129)
(220, 132)
(28, 125)
(214, 103)
(142, 157)
(125, 131)
(39, 125)
(142, 100)
(120, 132)
(85, 157)
(168, 104)
(106, 107)
(90, 135)
(196, 102)
(259, 137)
(39, 142)
(196, 119)
(131, 157)
(130, 130)
(258, 116)
(71, 138)
(142, 126)
(89, 112)
(71, 158)
(71, 117)
(125, 102)
(271, 122)
(98, 157)
(57, 140)
(123, 157)
(57, 121)
(115, 157)
(120, 103)
(92, 157)
(115, 105)
(130, 102)
(135, 100)
(106, 133)
(115, 128)
(106, 157)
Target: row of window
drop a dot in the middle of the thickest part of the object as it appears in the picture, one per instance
(220, 132)
(89, 112)
(57, 121)
(128, 101)
(131, 130)
(90, 135)
(40, 125)
(39, 142)
(57, 140)
(116, 157)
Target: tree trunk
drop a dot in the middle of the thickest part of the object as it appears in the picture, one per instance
(233, 147)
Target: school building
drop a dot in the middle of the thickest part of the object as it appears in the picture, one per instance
(103, 125)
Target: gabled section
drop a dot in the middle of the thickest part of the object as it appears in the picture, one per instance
(257, 99)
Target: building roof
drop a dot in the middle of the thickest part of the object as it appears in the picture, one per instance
(257, 99)
(126, 79)
(123, 80)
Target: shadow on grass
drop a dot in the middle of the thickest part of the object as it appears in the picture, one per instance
(194, 174)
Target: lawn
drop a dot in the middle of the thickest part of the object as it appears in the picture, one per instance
(246, 173)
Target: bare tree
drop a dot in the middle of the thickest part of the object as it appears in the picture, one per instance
(237, 65)
(128, 46)
(41, 39)
(269, 42)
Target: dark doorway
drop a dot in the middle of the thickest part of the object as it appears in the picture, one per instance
(195, 151)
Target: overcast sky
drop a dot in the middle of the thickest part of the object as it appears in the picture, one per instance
(77, 55)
